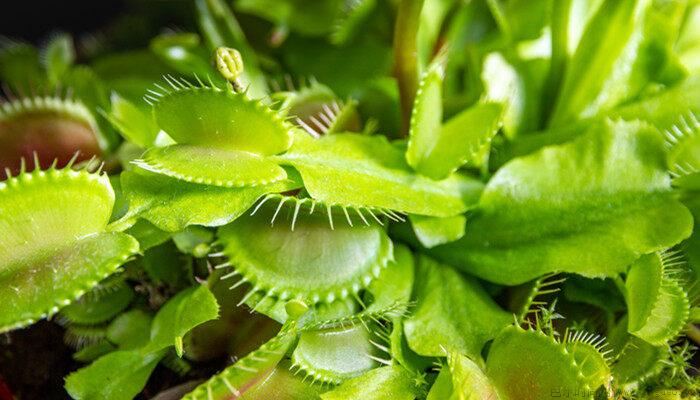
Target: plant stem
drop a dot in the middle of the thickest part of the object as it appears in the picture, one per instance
(406, 56)
(499, 16)
(693, 332)
(557, 63)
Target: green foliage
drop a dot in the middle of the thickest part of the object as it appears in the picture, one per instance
(123, 374)
(467, 319)
(593, 60)
(437, 150)
(172, 204)
(118, 375)
(433, 231)
(183, 312)
(274, 211)
(373, 174)
(591, 207)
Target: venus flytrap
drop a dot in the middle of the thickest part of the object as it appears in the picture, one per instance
(461, 378)
(334, 355)
(267, 227)
(293, 261)
(658, 306)
(52, 127)
(100, 304)
(392, 382)
(68, 261)
(684, 151)
(437, 150)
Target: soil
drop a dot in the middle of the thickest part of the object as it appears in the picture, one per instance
(33, 362)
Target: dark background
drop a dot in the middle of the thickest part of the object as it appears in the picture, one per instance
(118, 20)
(34, 19)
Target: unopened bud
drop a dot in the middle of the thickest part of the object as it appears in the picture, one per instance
(230, 65)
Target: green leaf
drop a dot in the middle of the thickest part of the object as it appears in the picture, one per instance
(603, 41)
(353, 21)
(603, 294)
(647, 58)
(638, 360)
(134, 124)
(433, 231)
(164, 265)
(658, 306)
(232, 333)
(452, 312)
(442, 387)
(147, 234)
(371, 58)
(517, 87)
(209, 166)
(589, 207)
(120, 375)
(19, 64)
(281, 383)
(193, 239)
(367, 171)
(94, 351)
(172, 204)
(52, 281)
(661, 109)
(123, 374)
(295, 15)
(68, 210)
(688, 44)
(385, 383)
(220, 119)
(129, 330)
(183, 52)
(179, 315)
